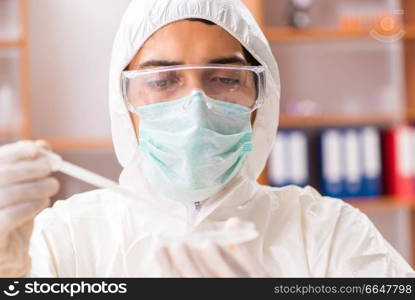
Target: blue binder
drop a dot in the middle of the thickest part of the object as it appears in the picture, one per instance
(298, 158)
(371, 161)
(277, 169)
(288, 161)
(332, 179)
(352, 162)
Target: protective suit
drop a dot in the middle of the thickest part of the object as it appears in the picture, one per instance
(301, 233)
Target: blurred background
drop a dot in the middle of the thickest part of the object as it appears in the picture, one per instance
(347, 102)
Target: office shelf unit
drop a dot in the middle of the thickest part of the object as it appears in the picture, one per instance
(285, 34)
(19, 45)
(24, 130)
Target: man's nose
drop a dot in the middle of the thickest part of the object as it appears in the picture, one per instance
(194, 82)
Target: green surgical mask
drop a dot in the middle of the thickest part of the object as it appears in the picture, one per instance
(190, 148)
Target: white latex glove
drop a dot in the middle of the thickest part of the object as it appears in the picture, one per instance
(211, 260)
(25, 188)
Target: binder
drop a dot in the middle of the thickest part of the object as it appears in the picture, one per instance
(288, 161)
(371, 161)
(331, 170)
(351, 163)
(398, 160)
(297, 158)
(277, 171)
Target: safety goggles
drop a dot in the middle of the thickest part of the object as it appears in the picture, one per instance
(243, 85)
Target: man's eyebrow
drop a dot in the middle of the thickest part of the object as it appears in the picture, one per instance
(228, 60)
(159, 63)
(166, 63)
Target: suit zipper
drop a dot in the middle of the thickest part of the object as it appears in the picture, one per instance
(193, 211)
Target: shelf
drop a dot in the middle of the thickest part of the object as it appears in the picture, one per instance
(288, 121)
(411, 115)
(9, 132)
(381, 203)
(410, 32)
(290, 34)
(72, 143)
(276, 34)
(11, 43)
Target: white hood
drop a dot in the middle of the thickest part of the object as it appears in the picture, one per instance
(143, 17)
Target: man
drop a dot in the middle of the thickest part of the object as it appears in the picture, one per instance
(194, 92)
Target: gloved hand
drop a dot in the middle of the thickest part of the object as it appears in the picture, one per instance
(211, 260)
(25, 188)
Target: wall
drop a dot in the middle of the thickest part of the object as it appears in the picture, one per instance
(70, 48)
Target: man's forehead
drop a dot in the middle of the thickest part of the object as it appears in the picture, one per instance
(189, 42)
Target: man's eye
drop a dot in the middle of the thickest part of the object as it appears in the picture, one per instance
(226, 80)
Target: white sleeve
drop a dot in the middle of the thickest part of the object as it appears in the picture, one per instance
(359, 250)
(51, 248)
